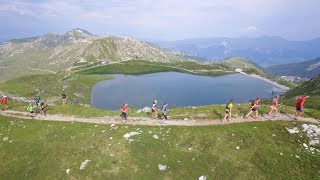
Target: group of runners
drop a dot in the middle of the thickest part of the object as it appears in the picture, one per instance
(154, 112)
(274, 108)
(38, 107)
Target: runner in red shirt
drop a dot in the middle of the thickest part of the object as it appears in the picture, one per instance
(274, 106)
(124, 109)
(4, 103)
(299, 106)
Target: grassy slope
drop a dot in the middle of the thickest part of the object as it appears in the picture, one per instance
(145, 67)
(41, 150)
(50, 86)
(311, 87)
(250, 68)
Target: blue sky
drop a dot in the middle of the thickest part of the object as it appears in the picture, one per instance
(162, 19)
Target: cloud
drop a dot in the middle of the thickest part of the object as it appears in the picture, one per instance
(250, 29)
(166, 18)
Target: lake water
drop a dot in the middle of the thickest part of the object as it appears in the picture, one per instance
(178, 89)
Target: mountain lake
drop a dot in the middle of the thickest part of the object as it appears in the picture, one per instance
(178, 89)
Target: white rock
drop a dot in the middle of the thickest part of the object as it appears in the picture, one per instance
(162, 167)
(305, 127)
(145, 110)
(68, 171)
(111, 138)
(314, 142)
(305, 145)
(237, 147)
(190, 149)
(202, 177)
(112, 125)
(185, 119)
(293, 130)
(84, 164)
(6, 138)
(297, 156)
(130, 134)
(155, 136)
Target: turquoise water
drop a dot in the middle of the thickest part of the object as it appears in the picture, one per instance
(178, 89)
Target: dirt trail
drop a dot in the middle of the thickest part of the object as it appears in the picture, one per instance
(148, 121)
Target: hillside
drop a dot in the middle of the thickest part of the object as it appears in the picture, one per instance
(310, 88)
(265, 51)
(77, 48)
(305, 69)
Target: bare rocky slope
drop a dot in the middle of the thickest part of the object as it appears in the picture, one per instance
(76, 48)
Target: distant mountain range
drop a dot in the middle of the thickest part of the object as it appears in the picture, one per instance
(265, 51)
(306, 69)
(74, 49)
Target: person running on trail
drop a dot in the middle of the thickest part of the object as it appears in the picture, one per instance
(64, 98)
(254, 108)
(4, 103)
(164, 112)
(299, 106)
(37, 100)
(154, 109)
(228, 111)
(42, 106)
(124, 110)
(274, 106)
(30, 110)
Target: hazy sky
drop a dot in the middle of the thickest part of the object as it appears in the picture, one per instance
(162, 19)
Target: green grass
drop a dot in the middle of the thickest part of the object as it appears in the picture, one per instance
(44, 150)
(50, 86)
(146, 67)
(311, 88)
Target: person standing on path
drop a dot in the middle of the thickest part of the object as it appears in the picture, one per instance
(124, 110)
(274, 106)
(228, 111)
(4, 103)
(164, 112)
(299, 106)
(64, 98)
(154, 109)
(254, 108)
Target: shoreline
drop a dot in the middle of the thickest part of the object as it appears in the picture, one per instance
(266, 80)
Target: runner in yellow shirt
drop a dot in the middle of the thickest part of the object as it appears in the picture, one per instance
(228, 111)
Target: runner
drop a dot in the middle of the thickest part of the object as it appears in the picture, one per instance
(254, 108)
(37, 100)
(154, 109)
(274, 106)
(164, 112)
(228, 111)
(299, 106)
(30, 110)
(42, 106)
(64, 98)
(124, 109)
(4, 103)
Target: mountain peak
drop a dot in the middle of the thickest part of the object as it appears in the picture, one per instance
(79, 34)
